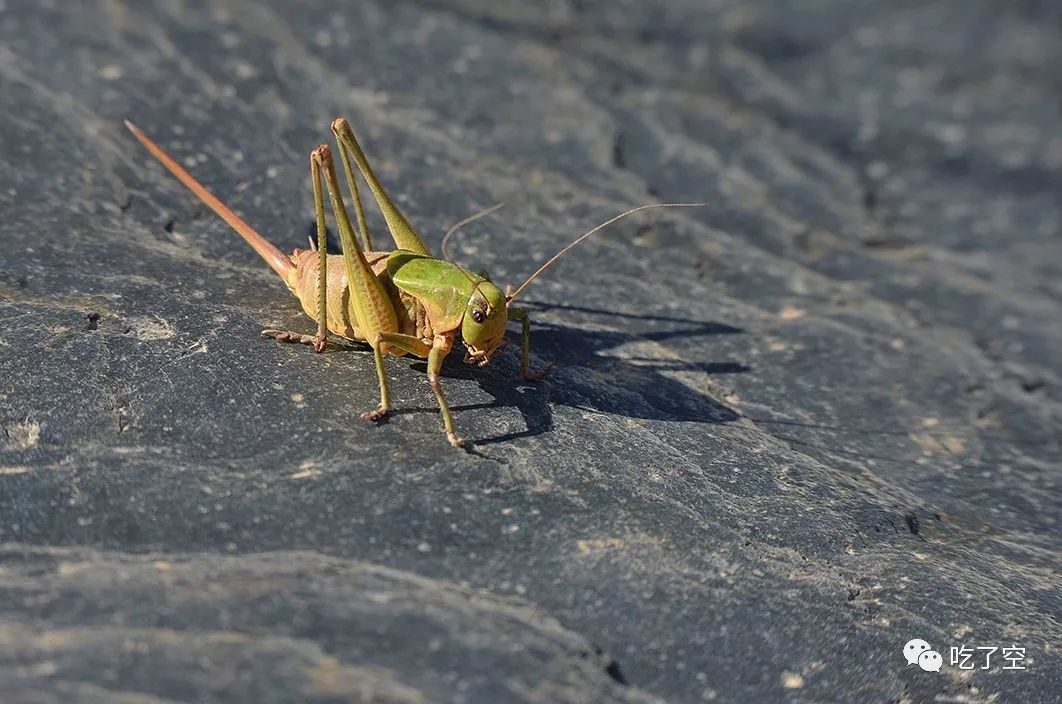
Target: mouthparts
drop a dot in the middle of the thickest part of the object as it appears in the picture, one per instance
(481, 356)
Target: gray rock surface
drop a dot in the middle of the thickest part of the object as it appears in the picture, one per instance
(788, 432)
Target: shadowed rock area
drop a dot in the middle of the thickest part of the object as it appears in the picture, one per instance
(787, 433)
(277, 627)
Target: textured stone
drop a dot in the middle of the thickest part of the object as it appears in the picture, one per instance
(787, 433)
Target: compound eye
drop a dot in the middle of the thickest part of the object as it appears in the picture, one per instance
(477, 315)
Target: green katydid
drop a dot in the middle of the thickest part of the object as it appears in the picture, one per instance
(404, 301)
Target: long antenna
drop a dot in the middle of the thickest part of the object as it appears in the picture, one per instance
(603, 225)
(272, 256)
(461, 223)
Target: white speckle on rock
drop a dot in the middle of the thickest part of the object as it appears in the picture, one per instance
(150, 329)
(23, 435)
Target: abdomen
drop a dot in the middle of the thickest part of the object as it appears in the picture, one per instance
(340, 316)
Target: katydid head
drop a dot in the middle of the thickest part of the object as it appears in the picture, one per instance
(483, 325)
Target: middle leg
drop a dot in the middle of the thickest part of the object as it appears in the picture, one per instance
(436, 353)
(525, 346)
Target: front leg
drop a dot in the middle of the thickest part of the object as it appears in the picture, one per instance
(525, 346)
(435, 353)
(439, 349)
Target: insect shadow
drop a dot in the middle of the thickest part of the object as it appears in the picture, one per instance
(590, 379)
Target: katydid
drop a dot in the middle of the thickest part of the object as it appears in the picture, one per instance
(400, 302)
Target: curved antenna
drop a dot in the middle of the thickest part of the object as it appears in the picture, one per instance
(603, 225)
(461, 223)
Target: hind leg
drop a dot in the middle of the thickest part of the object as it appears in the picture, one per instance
(320, 340)
(372, 308)
(404, 235)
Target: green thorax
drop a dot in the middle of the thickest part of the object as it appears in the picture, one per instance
(443, 288)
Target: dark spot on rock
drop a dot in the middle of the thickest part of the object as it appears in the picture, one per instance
(613, 670)
(870, 199)
(912, 522)
(1032, 385)
(619, 145)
